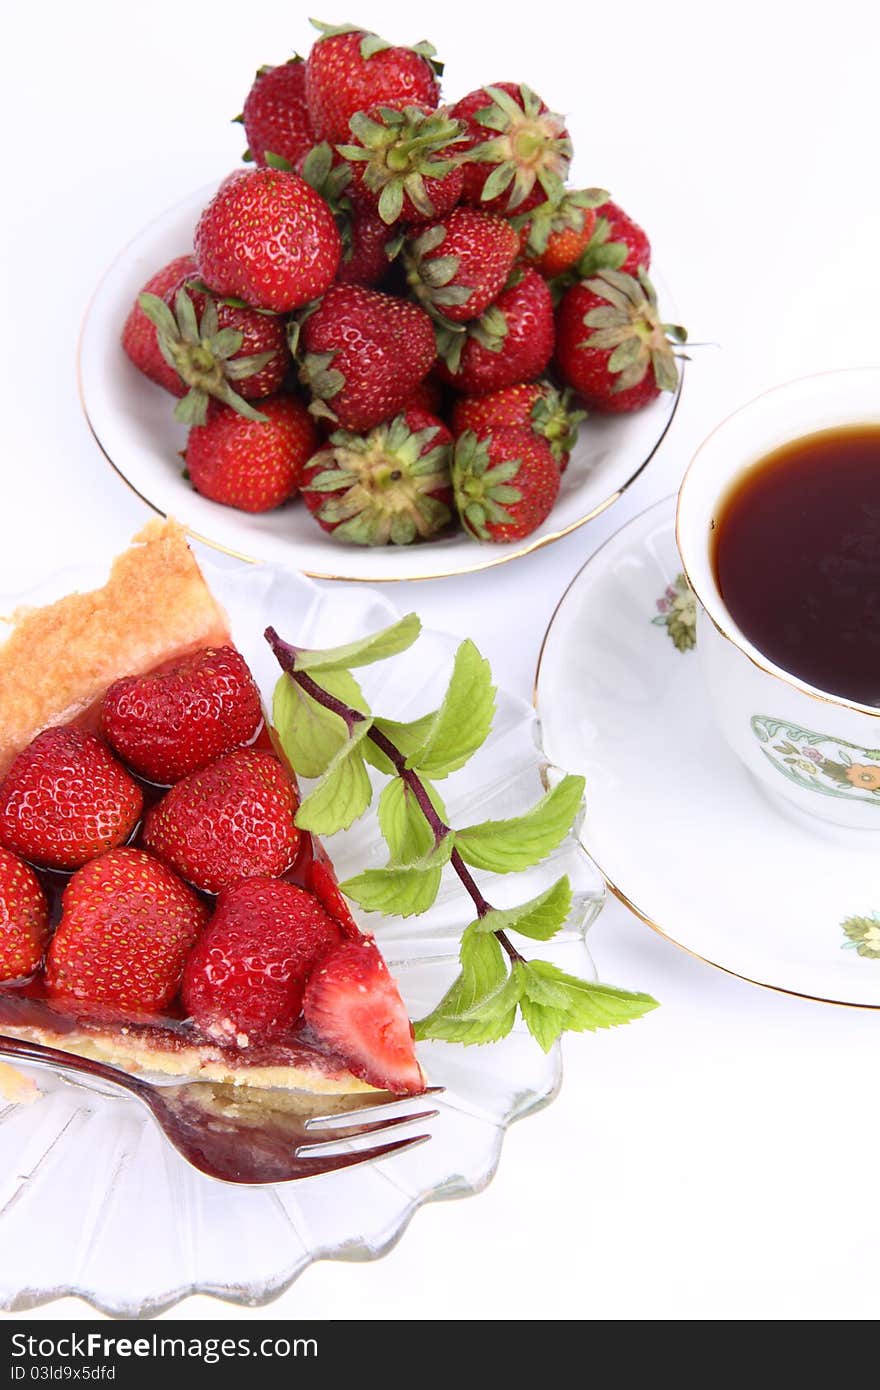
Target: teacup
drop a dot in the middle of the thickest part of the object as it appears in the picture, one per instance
(788, 733)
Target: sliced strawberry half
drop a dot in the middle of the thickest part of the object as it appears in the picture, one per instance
(354, 1006)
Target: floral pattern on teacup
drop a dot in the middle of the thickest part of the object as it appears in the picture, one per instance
(819, 762)
(863, 935)
(677, 612)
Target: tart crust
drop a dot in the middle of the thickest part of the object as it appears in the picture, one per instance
(56, 663)
(59, 659)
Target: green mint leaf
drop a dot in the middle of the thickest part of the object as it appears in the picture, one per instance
(405, 737)
(401, 892)
(402, 821)
(463, 721)
(507, 846)
(343, 793)
(376, 647)
(480, 1005)
(553, 1002)
(539, 918)
(311, 735)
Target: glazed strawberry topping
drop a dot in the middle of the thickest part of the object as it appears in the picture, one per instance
(353, 1005)
(244, 981)
(24, 918)
(175, 721)
(126, 929)
(66, 799)
(231, 821)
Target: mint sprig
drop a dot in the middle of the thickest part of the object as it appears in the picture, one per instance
(328, 732)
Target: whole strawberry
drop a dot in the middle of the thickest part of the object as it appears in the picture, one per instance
(139, 334)
(66, 799)
(456, 267)
(405, 162)
(232, 820)
(611, 346)
(365, 237)
(349, 70)
(519, 151)
(353, 1005)
(247, 464)
(362, 355)
(275, 115)
(220, 351)
(268, 238)
(505, 483)
(617, 243)
(127, 926)
(24, 919)
(244, 980)
(390, 485)
(512, 341)
(171, 722)
(549, 413)
(556, 232)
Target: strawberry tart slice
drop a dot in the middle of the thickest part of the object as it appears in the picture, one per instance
(160, 909)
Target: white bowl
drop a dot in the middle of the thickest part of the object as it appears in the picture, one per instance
(132, 422)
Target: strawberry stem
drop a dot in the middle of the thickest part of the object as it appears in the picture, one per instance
(286, 656)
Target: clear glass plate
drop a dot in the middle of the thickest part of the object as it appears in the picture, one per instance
(79, 1171)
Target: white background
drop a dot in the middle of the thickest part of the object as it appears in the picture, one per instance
(720, 1158)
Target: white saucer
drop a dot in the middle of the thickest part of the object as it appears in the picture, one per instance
(681, 832)
(132, 423)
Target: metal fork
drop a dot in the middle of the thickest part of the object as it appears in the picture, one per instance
(243, 1135)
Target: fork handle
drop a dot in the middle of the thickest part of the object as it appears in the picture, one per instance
(53, 1057)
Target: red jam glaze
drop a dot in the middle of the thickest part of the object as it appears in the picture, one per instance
(26, 1003)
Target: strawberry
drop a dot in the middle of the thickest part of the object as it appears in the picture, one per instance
(365, 237)
(363, 354)
(232, 820)
(174, 721)
(617, 243)
(268, 238)
(139, 335)
(611, 346)
(353, 1005)
(349, 70)
(518, 150)
(405, 162)
(456, 266)
(512, 341)
(322, 881)
(276, 115)
(250, 465)
(429, 395)
(24, 918)
(66, 799)
(556, 232)
(212, 344)
(537, 404)
(127, 926)
(244, 980)
(505, 483)
(389, 485)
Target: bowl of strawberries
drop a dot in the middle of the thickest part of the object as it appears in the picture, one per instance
(397, 343)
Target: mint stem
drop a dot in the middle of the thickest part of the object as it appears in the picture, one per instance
(286, 657)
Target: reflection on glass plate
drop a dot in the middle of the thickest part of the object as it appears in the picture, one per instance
(79, 1172)
(132, 422)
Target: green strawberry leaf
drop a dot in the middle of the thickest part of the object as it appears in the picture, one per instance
(401, 892)
(388, 641)
(310, 734)
(507, 846)
(402, 821)
(343, 793)
(553, 1002)
(540, 918)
